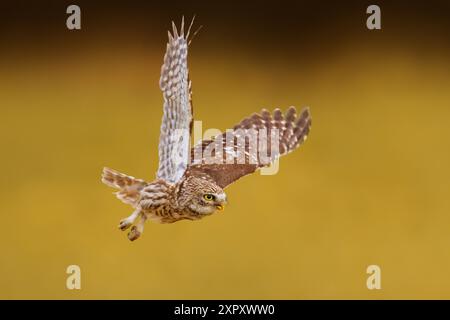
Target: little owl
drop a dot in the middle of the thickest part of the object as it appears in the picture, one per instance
(190, 182)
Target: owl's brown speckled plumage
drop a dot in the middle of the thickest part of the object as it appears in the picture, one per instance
(189, 186)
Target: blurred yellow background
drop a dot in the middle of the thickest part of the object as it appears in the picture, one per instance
(370, 186)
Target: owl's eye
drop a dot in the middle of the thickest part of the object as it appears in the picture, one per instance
(208, 197)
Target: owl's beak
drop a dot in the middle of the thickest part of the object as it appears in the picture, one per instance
(222, 201)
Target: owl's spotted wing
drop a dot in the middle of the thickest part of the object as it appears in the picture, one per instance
(233, 154)
(174, 141)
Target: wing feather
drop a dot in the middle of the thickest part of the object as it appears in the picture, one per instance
(284, 133)
(174, 141)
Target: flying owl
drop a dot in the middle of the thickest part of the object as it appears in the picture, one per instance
(190, 181)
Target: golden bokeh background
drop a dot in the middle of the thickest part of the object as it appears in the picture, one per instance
(370, 186)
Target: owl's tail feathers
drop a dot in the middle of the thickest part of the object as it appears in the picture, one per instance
(129, 187)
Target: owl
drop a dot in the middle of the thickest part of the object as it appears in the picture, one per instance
(190, 180)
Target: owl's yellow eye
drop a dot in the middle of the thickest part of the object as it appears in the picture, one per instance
(208, 197)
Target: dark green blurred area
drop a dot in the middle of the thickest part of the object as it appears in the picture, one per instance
(370, 186)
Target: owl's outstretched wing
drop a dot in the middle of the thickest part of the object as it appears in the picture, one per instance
(174, 141)
(231, 155)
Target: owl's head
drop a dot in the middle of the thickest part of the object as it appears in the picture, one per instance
(203, 196)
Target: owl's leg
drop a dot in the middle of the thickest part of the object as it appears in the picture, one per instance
(124, 224)
(136, 231)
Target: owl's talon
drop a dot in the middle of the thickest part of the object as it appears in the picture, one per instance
(134, 234)
(124, 224)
